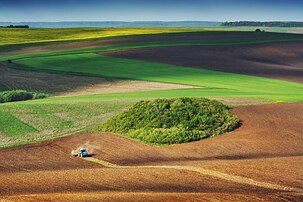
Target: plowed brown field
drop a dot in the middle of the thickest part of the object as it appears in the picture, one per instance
(261, 160)
(274, 60)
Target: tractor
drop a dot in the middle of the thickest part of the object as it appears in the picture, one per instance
(82, 153)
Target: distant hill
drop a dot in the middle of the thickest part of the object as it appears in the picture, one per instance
(106, 24)
(264, 24)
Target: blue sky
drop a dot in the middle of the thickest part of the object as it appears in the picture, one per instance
(140, 10)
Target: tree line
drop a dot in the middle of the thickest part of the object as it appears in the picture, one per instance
(264, 24)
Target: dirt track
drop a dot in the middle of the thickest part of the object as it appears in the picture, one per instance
(267, 148)
(274, 60)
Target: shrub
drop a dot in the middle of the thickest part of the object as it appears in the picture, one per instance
(19, 95)
(173, 121)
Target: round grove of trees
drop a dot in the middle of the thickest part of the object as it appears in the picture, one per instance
(173, 121)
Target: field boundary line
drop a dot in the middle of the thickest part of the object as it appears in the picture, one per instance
(212, 173)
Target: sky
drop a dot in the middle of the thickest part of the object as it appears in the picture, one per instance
(152, 10)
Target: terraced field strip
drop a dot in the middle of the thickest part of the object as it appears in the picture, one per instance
(214, 83)
(111, 48)
(27, 36)
(212, 173)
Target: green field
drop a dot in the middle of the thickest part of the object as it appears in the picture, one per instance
(37, 120)
(26, 122)
(218, 83)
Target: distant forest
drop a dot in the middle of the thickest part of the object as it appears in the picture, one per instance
(105, 24)
(264, 24)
